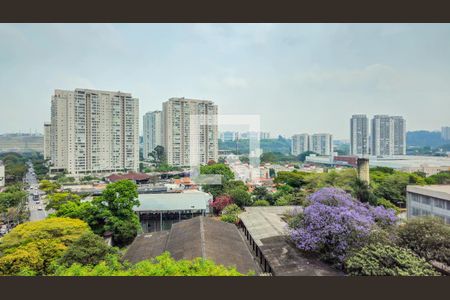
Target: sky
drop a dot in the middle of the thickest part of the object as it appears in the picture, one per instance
(299, 78)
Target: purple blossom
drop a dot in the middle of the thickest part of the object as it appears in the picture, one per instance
(335, 222)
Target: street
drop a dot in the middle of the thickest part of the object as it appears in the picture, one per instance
(35, 206)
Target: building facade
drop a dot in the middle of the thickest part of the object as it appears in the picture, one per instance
(47, 140)
(152, 132)
(428, 200)
(388, 135)
(94, 131)
(299, 144)
(359, 135)
(322, 144)
(190, 131)
(445, 133)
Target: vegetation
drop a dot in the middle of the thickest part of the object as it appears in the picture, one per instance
(261, 203)
(54, 201)
(220, 203)
(15, 166)
(230, 214)
(428, 237)
(34, 247)
(334, 223)
(387, 260)
(13, 204)
(48, 186)
(88, 249)
(163, 265)
(110, 212)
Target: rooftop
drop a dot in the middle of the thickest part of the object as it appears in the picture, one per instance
(198, 237)
(187, 200)
(130, 176)
(437, 191)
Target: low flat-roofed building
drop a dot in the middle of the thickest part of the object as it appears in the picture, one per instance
(160, 211)
(198, 237)
(428, 200)
(266, 232)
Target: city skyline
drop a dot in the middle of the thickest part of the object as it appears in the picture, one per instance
(318, 75)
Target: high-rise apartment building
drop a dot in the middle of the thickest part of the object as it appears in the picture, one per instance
(399, 137)
(445, 133)
(388, 135)
(321, 143)
(190, 131)
(152, 132)
(359, 135)
(94, 131)
(299, 144)
(47, 140)
(264, 135)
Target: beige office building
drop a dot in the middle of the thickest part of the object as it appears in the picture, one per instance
(94, 132)
(190, 131)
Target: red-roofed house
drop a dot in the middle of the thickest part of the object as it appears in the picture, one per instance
(138, 178)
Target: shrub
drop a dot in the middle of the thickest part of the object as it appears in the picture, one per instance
(230, 214)
(89, 249)
(261, 203)
(163, 265)
(220, 203)
(382, 260)
(334, 223)
(428, 237)
(284, 200)
(388, 204)
(240, 197)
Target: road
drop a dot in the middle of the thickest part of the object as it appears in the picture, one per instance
(37, 208)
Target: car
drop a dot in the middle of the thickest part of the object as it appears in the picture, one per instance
(38, 202)
(39, 207)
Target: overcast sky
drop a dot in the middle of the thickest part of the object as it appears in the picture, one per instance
(298, 77)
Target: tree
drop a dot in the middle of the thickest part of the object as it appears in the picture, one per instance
(294, 179)
(48, 186)
(230, 214)
(158, 155)
(240, 197)
(387, 260)
(334, 223)
(260, 192)
(36, 246)
(112, 211)
(429, 237)
(57, 199)
(217, 169)
(220, 203)
(88, 249)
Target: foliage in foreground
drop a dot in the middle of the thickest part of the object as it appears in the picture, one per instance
(428, 237)
(163, 265)
(34, 247)
(387, 260)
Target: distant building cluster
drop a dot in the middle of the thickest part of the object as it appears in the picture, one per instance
(320, 143)
(387, 136)
(21, 142)
(227, 136)
(152, 127)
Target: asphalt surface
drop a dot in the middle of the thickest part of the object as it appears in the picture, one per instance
(37, 208)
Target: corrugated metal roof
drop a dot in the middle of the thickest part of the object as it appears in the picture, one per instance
(188, 200)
